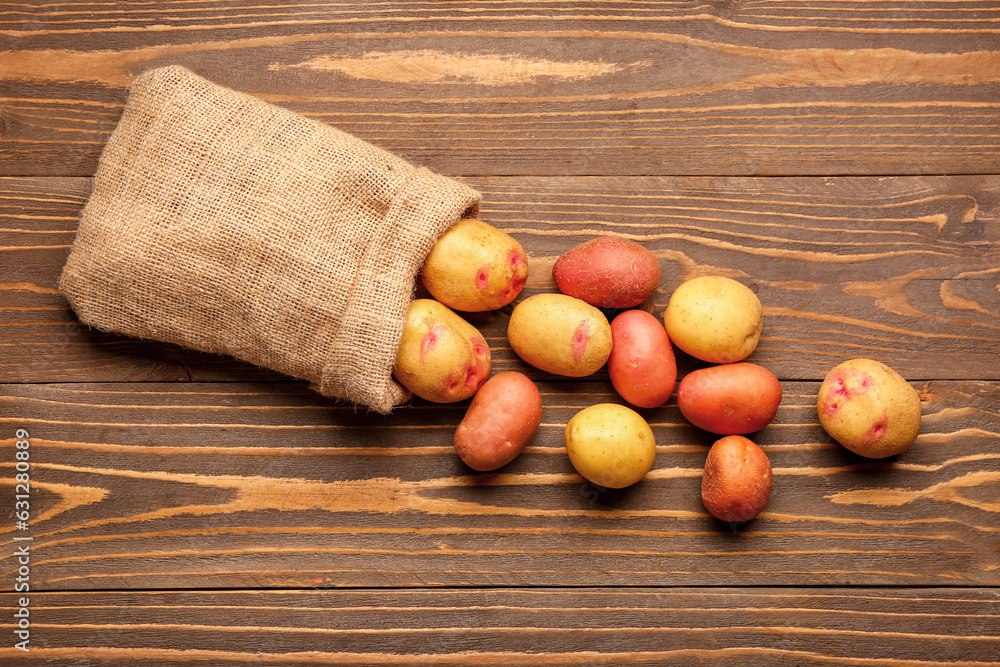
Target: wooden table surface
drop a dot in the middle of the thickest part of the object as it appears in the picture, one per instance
(840, 157)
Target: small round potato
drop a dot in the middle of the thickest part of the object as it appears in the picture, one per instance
(730, 399)
(475, 267)
(869, 408)
(502, 418)
(560, 334)
(737, 481)
(442, 358)
(641, 365)
(714, 319)
(608, 272)
(610, 445)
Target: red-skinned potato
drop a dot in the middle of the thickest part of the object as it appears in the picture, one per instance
(608, 272)
(642, 366)
(500, 421)
(729, 399)
(737, 481)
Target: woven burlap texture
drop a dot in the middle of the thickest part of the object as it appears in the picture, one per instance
(225, 224)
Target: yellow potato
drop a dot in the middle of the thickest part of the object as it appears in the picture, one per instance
(560, 334)
(869, 408)
(475, 267)
(610, 445)
(441, 358)
(714, 319)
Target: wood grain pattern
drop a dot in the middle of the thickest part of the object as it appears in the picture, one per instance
(903, 269)
(646, 626)
(232, 485)
(192, 509)
(755, 87)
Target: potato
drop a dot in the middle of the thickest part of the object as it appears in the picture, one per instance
(641, 365)
(442, 358)
(475, 267)
(869, 408)
(560, 334)
(608, 272)
(730, 399)
(502, 418)
(610, 445)
(737, 481)
(714, 319)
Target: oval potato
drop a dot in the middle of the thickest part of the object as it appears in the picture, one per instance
(730, 399)
(642, 366)
(608, 272)
(737, 481)
(610, 445)
(475, 267)
(869, 408)
(441, 358)
(714, 319)
(502, 418)
(560, 334)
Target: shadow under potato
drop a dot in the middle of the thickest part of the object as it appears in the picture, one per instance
(602, 497)
(863, 464)
(731, 527)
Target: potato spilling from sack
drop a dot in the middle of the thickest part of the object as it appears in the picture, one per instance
(501, 420)
(442, 358)
(475, 267)
(610, 445)
(869, 408)
(560, 334)
(714, 319)
(608, 272)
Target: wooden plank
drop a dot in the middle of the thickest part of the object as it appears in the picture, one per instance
(901, 269)
(643, 626)
(759, 87)
(232, 485)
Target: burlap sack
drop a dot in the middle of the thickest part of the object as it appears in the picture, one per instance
(225, 224)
